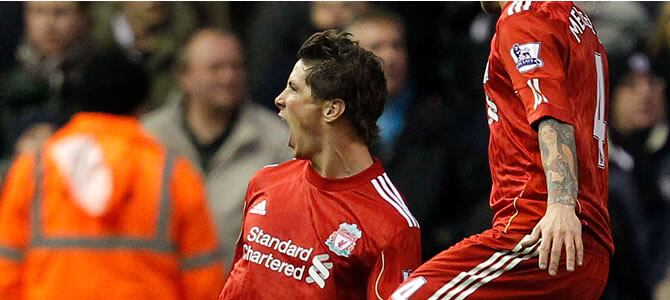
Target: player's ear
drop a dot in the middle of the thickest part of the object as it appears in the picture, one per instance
(333, 109)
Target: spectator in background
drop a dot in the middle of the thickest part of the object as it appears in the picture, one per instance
(414, 134)
(213, 13)
(49, 63)
(384, 35)
(639, 182)
(279, 30)
(660, 43)
(103, 211)
(10, 31)
(621, 25)
(149, 32)
(463, 35)
(214, 124)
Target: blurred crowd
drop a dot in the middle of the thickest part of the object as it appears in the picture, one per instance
(215, 69)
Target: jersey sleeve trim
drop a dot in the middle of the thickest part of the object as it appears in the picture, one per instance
(546, 111)
(388, 192)
(550, 112)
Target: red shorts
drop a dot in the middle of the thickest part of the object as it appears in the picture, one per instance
(490, 266)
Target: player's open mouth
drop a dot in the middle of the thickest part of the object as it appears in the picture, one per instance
(289, 141)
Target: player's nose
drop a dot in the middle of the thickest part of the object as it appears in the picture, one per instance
(280, 101)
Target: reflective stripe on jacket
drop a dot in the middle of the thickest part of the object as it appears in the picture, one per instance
(148, 236)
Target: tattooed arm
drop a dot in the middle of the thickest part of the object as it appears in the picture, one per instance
(557, 146)
(560, 226)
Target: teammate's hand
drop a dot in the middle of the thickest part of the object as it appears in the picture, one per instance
(559, 227)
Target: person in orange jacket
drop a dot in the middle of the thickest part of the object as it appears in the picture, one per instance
(103, 211)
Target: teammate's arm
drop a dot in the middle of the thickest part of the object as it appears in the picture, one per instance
(560, 226)
(557, 147)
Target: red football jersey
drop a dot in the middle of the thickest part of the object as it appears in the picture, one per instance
(546, 61)
(308, 237)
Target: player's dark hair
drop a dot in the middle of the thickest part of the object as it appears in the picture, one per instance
(340, 69)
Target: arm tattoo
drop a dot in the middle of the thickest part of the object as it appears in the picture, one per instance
(559, 159)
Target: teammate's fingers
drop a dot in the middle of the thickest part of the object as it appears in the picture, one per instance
(545, 248)
(531, 239)
(555, 255)
(579, 249)
(570, 253)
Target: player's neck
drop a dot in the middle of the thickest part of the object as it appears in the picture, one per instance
(341, 156)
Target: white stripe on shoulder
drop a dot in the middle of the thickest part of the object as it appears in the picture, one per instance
(388, 199)
(399, 198)
(393, 192)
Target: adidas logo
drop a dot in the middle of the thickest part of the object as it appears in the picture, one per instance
(259, 208)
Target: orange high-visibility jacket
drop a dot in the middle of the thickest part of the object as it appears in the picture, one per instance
(104, 212)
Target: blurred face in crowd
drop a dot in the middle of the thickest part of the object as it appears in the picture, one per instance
(385, 39)
(639, 103)
(335, 14)
(215, 73)
(144, 16)
(302, 112)
(664, 20)
(52, 27)
(492, 7)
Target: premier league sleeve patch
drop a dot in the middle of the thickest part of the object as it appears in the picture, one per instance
(526, 56)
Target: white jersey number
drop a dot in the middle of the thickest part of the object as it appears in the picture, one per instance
(599, 123)
(408, 289)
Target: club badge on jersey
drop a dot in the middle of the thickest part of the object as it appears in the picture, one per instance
(526, 56)
(343, 240)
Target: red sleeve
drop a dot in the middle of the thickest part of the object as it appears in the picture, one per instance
(15, 199)
(396, 261)
(201, 264)
(534, 51)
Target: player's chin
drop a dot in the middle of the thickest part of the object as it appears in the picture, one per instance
(492, 7)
